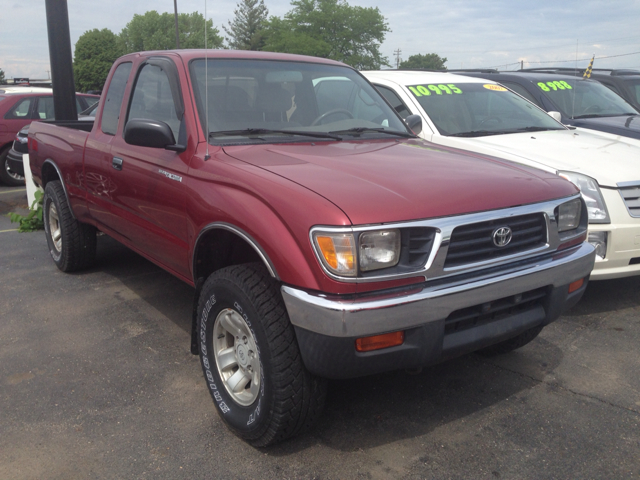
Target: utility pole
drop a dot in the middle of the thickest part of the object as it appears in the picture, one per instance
(175, 9)
(398, 59)
(521, 64)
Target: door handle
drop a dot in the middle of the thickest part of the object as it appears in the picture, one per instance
(117, 163)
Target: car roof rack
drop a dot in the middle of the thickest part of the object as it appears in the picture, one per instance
(474, 70)
(419, 70)
(579, 71)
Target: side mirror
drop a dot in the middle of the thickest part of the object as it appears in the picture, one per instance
(151, 133)
(557, 116)
(414, 122)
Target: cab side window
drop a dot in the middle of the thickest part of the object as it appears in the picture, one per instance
(20, 110)
(152, 98)
(397, 104)
(113, 100)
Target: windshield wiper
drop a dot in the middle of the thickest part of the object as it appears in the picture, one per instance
(535, 129)
(602, 115)
(358, 130)
(476, 133)
(265, 131)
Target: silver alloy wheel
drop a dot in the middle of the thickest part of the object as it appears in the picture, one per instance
(236, 355)
(54, 227)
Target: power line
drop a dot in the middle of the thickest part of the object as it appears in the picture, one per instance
(565, 61)
(397, 53)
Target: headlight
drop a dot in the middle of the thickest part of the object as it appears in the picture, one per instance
(337, 252)
(379, 249)
(591, 194)
(569, 215)
(374, 250)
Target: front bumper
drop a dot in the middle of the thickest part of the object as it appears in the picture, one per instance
(14, 160)
(326, 327)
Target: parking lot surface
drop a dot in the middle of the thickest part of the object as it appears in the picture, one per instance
(96, 381)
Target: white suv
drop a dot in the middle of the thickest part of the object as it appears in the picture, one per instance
(485, 117)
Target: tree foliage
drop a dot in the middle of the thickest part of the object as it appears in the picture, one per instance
(155, 31)
(2, 79)
(429, 61)
(245, 31)
(330, 29)
(95, 52)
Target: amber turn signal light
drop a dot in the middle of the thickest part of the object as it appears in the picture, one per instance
(573, 286)
(377, 342)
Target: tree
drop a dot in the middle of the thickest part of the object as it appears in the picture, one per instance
(2, 79)
(330, 29)
(428, 61)
(155, 31)
(95, 52)
(246, 29)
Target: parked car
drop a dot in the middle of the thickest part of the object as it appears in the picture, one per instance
(580, 102)
(18, 149)
(625, 82)
(482, 116)
(20, 106)
(323, 239)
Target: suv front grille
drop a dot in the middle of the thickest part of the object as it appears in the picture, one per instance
(474, 243)
(631, 197)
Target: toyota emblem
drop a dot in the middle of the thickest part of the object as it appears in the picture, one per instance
(501, 236)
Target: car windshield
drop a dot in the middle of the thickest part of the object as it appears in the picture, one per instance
(252, 101)
(476, 109)
(581, 98)
(633, 87)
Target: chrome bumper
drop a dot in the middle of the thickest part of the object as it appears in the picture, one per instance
(418, 305)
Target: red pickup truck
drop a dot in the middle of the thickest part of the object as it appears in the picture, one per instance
(323, 238)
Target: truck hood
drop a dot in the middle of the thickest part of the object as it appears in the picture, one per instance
(607, 158)
(627, 126)
(385, 181)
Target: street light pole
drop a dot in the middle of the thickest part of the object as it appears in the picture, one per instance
(175, 8)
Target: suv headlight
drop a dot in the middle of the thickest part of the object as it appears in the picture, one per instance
(343, 256)
(591, 194)
(569, 215)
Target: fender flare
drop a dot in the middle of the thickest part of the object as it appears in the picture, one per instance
(64, 187)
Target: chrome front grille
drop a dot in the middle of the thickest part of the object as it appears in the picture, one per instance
(474, 243)
(631, 197)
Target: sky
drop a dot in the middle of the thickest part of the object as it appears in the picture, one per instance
(470, 34)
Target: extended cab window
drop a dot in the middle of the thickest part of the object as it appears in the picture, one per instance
(113, 100)
(152, 98)
(20, 110)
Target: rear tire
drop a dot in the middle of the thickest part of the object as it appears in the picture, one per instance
(7, 176)
(511, 344)
(251, 360)
(72, 244)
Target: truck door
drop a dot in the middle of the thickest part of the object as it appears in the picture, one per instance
(149, 188)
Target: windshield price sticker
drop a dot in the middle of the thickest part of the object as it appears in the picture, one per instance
(555, 85)
(437, 89)
(495, 88)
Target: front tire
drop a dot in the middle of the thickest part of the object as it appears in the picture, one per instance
(72, 244)
(251, 360)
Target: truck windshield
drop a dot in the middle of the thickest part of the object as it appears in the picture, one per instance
(249, 101)
(580, 98)
(476, 109)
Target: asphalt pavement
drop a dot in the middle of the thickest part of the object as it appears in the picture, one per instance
(96, 381)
